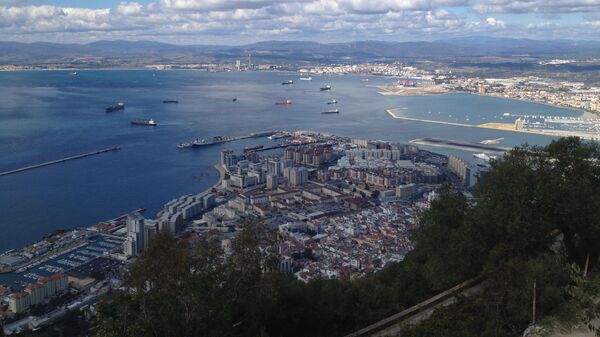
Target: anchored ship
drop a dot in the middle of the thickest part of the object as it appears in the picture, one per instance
(332, 102)
(325, 88)
(306, 78)
(253, 148)
(171, 101)
(286, 102)
(117, 107)
(144, 122)
(334, 111)
(205, 142)
(287, 82)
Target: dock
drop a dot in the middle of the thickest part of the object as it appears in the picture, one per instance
(62, 160)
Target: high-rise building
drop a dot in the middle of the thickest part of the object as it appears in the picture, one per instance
(135, 241)
(461, 168)
(274, 167)
(228, 158)
(272, 182)
(298, 176)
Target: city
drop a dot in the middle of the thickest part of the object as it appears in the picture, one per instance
(343, 208)
(327, 168)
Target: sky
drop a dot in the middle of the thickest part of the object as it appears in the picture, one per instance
(235, 22)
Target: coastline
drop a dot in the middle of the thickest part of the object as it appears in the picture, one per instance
(531, 101)
(222, 173)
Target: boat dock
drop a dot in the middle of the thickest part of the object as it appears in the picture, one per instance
(62, 160)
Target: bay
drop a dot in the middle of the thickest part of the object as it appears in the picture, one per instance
(46, 115)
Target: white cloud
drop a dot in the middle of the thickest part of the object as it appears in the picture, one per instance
(493, 22)
(535, 6)
(235, 21)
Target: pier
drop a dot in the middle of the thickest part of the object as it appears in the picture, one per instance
(62, 160)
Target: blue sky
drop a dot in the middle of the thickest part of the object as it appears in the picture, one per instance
(245, 21)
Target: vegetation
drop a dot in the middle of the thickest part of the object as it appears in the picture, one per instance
(535, 218)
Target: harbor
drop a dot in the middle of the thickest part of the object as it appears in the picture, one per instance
(153, 169)
(62, 160)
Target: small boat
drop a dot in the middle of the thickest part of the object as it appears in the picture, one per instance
(325, 88)
(73, 73)
(306, 78)
(171, 101)
(286, 102)
(334, 111)
(332, 102)
(287, 82)
(235, 100)
(144, 122)
(364, 80)
(117, 107)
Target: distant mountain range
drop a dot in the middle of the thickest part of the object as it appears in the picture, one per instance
(296, 51)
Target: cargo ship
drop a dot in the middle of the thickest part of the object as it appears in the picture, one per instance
(253, 148)
(144, 122)
(261, 134)
(204, 142)
(117, 107)
(287, 82)
(325, 88)
(334, 111)
(332, 102)
(286, 102)
(171, 101)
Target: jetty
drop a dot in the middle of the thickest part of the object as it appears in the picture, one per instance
(62, 160)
